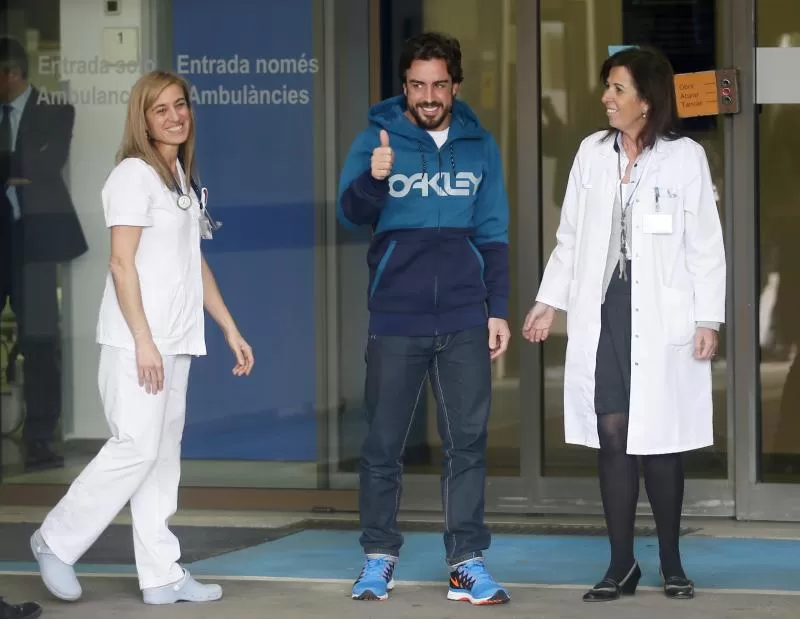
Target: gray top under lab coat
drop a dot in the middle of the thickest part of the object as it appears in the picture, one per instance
(614, 245)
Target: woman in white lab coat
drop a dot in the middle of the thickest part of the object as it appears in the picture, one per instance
(639, 267)
(151, 323)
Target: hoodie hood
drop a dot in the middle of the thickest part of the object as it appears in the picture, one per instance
(390, 115)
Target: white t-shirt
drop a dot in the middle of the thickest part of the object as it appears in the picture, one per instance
(440, 137)
(168, 261)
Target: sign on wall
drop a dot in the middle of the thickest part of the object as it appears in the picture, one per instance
(251, 69)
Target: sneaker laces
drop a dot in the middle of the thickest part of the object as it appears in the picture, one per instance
(474, 572)
(376, 568)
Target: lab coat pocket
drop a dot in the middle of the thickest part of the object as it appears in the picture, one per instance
(667, 199)
(584, 194)
(678, 308)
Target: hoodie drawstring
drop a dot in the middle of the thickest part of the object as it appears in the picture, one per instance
(422, 156)
(425, 164)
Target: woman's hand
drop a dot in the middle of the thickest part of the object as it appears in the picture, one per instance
(243, 353)
(149, 365)
(538, 322)
(705, 343)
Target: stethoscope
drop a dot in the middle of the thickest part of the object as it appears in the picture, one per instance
(185, 202)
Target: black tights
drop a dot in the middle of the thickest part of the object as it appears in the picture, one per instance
(619, 488)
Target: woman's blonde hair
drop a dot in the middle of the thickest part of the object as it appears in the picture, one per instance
(136, 140)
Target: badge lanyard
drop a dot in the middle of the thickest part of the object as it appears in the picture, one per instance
(207, 222)
(624, 206)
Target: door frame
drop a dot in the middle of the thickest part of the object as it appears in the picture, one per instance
(581, 495)
(755, 500)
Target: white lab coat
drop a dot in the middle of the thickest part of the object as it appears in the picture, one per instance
(678, 280)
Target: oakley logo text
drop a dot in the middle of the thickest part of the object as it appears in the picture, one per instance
(440, 184)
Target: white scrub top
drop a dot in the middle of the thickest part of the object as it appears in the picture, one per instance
(168, 261)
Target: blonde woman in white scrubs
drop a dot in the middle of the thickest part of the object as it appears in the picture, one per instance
(150, 325)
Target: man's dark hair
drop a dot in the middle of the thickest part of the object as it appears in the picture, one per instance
(13, 56)
(652, 76)
(430, 46)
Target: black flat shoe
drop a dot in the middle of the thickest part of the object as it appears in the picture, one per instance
(678, 588)
(608, 589)
(26, 610)
(39, 456)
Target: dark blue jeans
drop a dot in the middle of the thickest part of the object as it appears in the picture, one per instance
(459, 370)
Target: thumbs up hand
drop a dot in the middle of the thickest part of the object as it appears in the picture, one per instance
(382, 158)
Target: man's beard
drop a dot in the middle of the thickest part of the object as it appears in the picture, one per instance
(428, 123)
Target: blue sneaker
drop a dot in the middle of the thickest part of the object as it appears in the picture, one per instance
(471, 582)
(375, 580)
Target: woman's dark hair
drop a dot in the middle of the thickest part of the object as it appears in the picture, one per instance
(429, 46)
(652, 76)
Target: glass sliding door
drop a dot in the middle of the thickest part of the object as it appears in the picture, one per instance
(768, 432)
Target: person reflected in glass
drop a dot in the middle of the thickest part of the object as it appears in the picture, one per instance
(151, 324)
(39, 230)
(639, 269)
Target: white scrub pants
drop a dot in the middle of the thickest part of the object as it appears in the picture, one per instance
(140, 463)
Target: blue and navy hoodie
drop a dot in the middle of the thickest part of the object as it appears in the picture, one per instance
(438, 260)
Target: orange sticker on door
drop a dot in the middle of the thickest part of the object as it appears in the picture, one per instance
(696, 94)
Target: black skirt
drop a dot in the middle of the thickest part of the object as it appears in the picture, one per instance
(612, 376)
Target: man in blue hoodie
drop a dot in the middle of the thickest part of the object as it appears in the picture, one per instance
(429, 181)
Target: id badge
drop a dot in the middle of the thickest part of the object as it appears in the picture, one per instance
(657, 223)
(205, 228)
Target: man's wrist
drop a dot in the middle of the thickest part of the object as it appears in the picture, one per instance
(498, 307)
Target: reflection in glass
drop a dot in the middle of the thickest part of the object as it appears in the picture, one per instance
(39, 232)
(260, 434)
(779, 263)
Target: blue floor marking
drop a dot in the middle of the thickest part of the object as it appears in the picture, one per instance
(713, 563)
